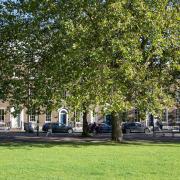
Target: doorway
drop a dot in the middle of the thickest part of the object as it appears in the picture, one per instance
(63, 116)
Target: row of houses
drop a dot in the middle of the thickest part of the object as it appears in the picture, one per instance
(64, 116)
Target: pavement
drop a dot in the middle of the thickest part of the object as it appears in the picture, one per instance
(76, 137)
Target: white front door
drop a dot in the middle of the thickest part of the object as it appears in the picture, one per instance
(15, 120)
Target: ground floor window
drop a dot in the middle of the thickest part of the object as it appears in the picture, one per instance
(32, 117)
(108, 119)
(2, 115)
(48, 116)
(136, 115)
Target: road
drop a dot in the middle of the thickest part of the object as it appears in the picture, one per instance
(76, 137)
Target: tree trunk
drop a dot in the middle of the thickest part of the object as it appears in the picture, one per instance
(38, 125)
(117, 135)
(85, 123)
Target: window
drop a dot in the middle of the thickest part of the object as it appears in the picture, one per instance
(108, 119)
(32, 117)
(138, 125)
(178, 115)
(131, 125)
(48, 116)
(136, 115)
(1, 115)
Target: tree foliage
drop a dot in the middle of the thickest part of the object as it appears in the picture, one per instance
(115, 54)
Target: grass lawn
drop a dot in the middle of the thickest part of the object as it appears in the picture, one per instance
(139, 160)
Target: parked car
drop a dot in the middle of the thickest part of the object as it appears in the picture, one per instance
(176, 129)
(134, 127)
(78, 127)
(28, 127)
(100, 128)
(57, 128)
(92, 127)
(103, 128)
(46, 127)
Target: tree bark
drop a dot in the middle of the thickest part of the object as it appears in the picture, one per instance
(38, 124)
(117, 134)
(85, 123)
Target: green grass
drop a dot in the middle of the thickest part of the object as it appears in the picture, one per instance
(90, 161)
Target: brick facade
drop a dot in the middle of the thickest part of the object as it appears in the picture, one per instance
(14, 122)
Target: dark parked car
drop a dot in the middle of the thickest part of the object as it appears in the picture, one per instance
(100, 128)
(28, 127)
(57, 128)
(46, 127)
(134, 127)
(92, 127)
(103, 128)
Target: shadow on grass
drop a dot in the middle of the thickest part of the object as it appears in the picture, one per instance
(74, 144)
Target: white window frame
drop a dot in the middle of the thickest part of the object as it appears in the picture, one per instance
(48, 116)
(32, 116)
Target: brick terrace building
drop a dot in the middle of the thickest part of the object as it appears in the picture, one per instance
(62, 115)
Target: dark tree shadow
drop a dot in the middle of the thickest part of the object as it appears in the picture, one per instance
(28, 141)
(29, 145)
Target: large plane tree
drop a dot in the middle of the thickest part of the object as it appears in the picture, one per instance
(113, 54)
